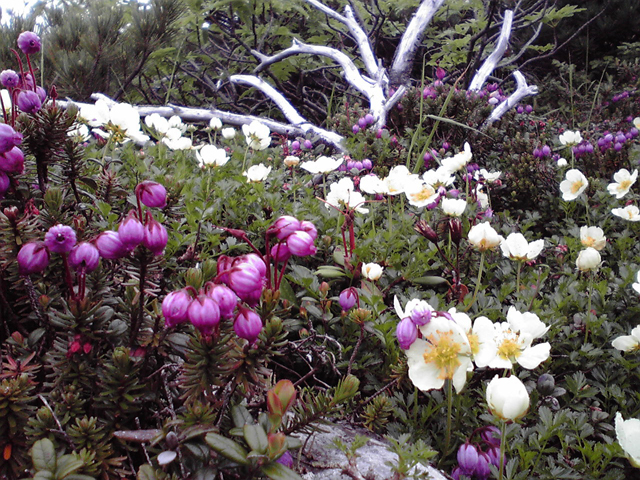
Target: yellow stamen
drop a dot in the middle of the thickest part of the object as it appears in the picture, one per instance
(443, 353)
(575, 186)
(509, 349)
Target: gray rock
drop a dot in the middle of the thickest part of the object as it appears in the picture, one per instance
(324, 461)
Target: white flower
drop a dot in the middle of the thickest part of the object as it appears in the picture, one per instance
(624, 180)
(443, 353)
(175, 141)
(458, 161)
(636, 285)
(628, 343)
(419, 193)
(257, 173)
(514, 338)
(588, 259)
(483, 237)
(489, 177)
(257, 135)
(79, 131)
(562, 162)
(516, 247)
(628, 435)
(6, 99)
(291, 160)
(440, 177)
(573, 185)
(371, 271)
(343, 193)
(570, 138)
(121, 120)
(481, 336)
(322, 165)
(453, 207)
(228, 133)
(636, 122)
(211, 156)
(507, 397)
(397, 179)
(216, 124)
(630, 212)
(592, 237)
(373, 185)
(481, 197)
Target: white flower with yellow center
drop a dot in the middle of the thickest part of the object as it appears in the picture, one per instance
(514, 338)
(397, 179)
(257, 135)
(628, 343)
(454, 207)
(439, 178)
(322, 165)
(630, 212)
(343, 193)
(623, 182)
(211, 156)
(570, 138)
(120, 120)
(481, 336)
(371, 271)
(483, 237)
(291, 160)
(573, 184)
(458, 161)
(257, 173)
(516, 247)
(373, 185)
(588, 259)
(489, 177)
(443, 353)
(636, 122)
(628, 435)
(419, 193)
(593, 237)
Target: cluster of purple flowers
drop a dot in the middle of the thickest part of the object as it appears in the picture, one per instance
(239, 279)
(363, 123)
(297, 147)
(614, 141)
(34, 257)
(22, 87)
(473, 461)
(11, 157)
(294, 237)
(135, 229)
(541, 152)
(350, 164)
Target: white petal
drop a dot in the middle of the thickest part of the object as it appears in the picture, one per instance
(531, 357)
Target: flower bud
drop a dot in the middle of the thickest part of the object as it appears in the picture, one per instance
(309, 228)
(29, 43)
(491, 436)
(224, 264)
(151, 194)
(546, 384)
(42, 93)
(255, 260)
(371, 271)
(5, 183)
(284, 226)
(9, 138)
(110, 246)
(33, 257)
(468, 458)
(482, 465)
(155, 236)
(348, 298)
(421, 314)
(247, 325)
(507, 397)
(280, 252)
(12, 161)
(455, 229)
(426, 231)
(281, 397)
(588, 259)
(204, 314)
(28, 101)
(60, 239)
(175, 307)
(131, 231)
(301, 244)
(407, 333)
(494, 456)
(84, 256)
(244, 279)
(9, 79)
(224, 297)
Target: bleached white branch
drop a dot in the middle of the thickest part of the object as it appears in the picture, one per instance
(359, 35)
(523, 90)
(410, 41)
(492, 60)
(203, 115)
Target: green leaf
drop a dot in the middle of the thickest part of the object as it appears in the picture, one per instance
(240, 416)
(67, 464)
(227, 448)
(429, 280)
(329, 271)
(146, 472)
(43, 455)
(256, 437)
(43, 475)
(79, 476)
(277, 471)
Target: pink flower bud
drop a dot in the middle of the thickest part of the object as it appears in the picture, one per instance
(60, 239)
(284, 226)
(28, 101)
(204, 314)
(175, 307)
(280, 252)
(407, 333)
(84, 256)
(155, 236)
(9, 79)
(224, 297)
(12, 161)
(110, 246)
(224, 264)
(244, 279)
(151, 194)
(301, 244)
(131, 231)
(348, 298)
(33, 257)
(309, 228)
(468, 458)
(255, 260)
(247, 325)
(5, 183)
(29, 43)
(421, 315)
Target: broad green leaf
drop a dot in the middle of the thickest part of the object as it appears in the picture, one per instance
(227, 448)
(277, 471)
(43, 455)
(256, 437)
(146, 472)
(67, 464)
